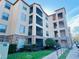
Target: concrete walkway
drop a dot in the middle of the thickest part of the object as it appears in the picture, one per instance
(54, 55)
(74, 53)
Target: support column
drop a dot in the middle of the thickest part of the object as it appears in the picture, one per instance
(44, 41)
(33, 40)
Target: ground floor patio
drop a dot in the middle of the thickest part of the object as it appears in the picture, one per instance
(38, 40)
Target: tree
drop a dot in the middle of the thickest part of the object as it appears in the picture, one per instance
(76, 38)
(50, 42)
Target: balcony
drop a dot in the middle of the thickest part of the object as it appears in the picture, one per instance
(30, 30)
(55, 25)
(62, 33)
(54, 17)
(61, 24)
(56, 33)
(39, 12)
(39, 31)
(39, 21)
(60, 15)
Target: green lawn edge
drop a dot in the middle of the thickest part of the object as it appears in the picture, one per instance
(65, 54)
(30, 55)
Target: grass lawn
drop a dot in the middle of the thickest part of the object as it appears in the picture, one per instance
(64, 55)
(30, 55)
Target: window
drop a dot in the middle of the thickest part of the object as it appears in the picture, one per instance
(22, 29)
(62, 33)
(47, 34)
(2, 28)
(39, 42)
(23, 16)
(47, 25)
(39, 31)
(38, 11)
(29, 40)
(30, 30)
(31, 9)
(61, 24)
(39, 21)
(54, 16)
(30, 19)
(7, 5)
(24, 8)
(60, 15)
(56, 33)
(55, 25)
(46, 18)
(5, 16)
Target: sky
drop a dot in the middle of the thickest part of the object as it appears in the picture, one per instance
(71, 6)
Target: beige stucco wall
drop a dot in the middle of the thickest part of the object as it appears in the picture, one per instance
(14, 21)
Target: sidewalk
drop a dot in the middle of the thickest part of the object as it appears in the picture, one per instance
(74, 54)
(55, 54)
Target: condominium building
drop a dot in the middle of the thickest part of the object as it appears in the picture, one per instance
(21, 23)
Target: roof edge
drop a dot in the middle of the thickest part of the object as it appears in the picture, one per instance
(38, 5)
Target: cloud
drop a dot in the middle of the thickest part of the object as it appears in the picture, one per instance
(76, 29)
(13, 1)
(49, 12)
(72, 11)
(73, 20)
(74, 24)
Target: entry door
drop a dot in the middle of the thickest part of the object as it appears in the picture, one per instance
(39, 42)
(64, 43)
(20, 43)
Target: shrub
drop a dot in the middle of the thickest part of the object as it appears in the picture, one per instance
(32, 47)
(36, 48)
(26, 48)
(12, 48)
(29, 47)
(50, 43)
